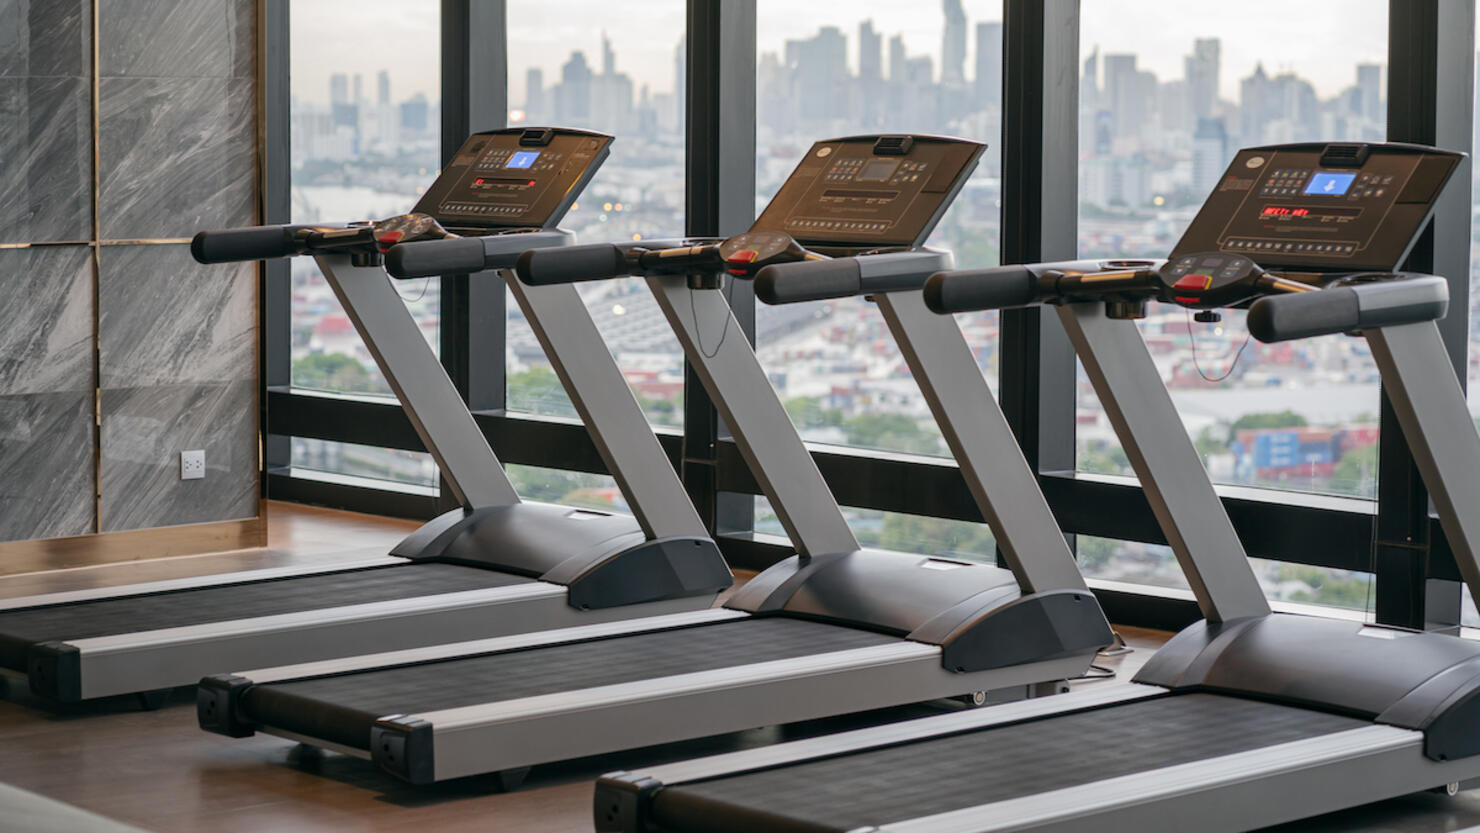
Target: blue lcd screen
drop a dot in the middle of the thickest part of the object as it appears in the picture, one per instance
(522, 159)
(1332, 184)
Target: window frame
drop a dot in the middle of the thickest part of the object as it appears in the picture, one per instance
(1416, 578)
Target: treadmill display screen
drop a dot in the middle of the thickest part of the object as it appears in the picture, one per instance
(496, 180)
(870, 191)
(522, 159)
(1329, 184)
(1317, 207)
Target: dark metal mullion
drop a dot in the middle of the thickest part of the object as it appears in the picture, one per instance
(473, 314)
(1040, 108)
(275, 294)
(1430, 99)
(719, 200)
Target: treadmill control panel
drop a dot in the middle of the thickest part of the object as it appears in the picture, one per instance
(875, 191)
(1321, 207)
(520, 177)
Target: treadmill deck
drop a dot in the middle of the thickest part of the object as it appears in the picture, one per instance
(19, 629)
(891, 784)
(342, 708)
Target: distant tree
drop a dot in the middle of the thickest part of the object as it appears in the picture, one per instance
(1355, 471)
(809, 412)
(895, 432)
(1276, 419)
(332, 371)
(937, 536)
(1328, 587)
(1103, 458)
(538, 390)
(1094, 552)
(1209, 445)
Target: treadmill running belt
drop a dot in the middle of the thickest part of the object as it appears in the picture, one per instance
(342, 708)
(890, 784)
(104, 617)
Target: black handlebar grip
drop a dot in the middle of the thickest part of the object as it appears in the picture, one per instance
(1305, 314)
(808, 280)
(427, 258)
(967, 290)
(252, 243)
(571, 264)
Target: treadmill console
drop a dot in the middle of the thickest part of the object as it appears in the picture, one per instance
(514, 178)
(870, 191)
(1321, 207)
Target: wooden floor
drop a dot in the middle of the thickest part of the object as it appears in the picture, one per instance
(158, 771)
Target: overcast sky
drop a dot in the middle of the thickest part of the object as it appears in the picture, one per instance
(402, 37)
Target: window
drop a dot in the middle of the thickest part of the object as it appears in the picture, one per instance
(902, 532)
(879, 68)
(619, 69)
(365, 131)
(1165, 101)
(365, 144)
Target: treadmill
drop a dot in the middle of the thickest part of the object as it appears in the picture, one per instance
(834, 630)
(1247, 718)
(495, 565)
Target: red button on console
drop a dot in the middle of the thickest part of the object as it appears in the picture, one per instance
(742, 256)
(1194, 282)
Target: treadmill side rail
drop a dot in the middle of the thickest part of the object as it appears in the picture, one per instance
(519, 733)
(1221, 795)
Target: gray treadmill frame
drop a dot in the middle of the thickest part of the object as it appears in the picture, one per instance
(163, 658)
(1228, 793)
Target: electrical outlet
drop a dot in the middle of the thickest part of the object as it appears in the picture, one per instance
(193, 465)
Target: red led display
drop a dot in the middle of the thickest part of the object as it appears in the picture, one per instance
(1282, 211)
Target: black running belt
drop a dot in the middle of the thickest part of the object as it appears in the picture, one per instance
(176, 608)
(342, 708)
(891, 784)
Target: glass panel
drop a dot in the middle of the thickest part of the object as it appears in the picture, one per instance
(1164, 104)
(619, 69)
(822, 73)
(365, 144)
(393, 465)
(1129, 561)
(903, 532)
(1323, 586)
(571, 488)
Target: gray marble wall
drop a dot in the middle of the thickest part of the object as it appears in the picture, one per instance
(177, 342)
(174, 343)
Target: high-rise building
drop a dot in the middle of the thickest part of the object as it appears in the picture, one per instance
(953, 45)
(1369, 92)
(1089, 104)
(359, 90)
(897, 58)
(1125, 95)
(534, 95)
(1202, 69)
(383, 89)
(988, 67)
(573, 96)
(870, 75)
(820, 72)
(338, 88)
(870, 52)
(1209, 154)
(414, 111)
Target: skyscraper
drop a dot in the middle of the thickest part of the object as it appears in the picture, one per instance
(896, 59)
(1369, 92)
(680, 91)
(820, 73)
(573, 96)
(1202, 72)
(339, 88)
(953, 45)
(359, 89)
(988, 90)
(534, 95)
(1125, 97)
(1209, 154)
(383, 89)
(870, 52)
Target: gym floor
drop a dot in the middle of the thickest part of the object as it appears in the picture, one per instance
(158, 771)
